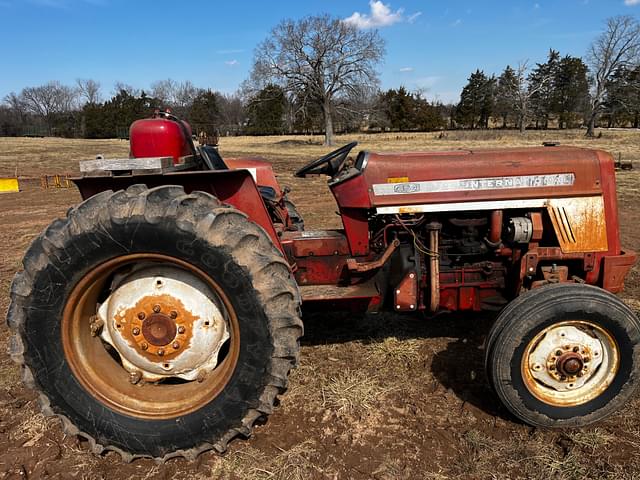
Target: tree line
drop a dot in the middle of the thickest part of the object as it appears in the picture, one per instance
(320, 75)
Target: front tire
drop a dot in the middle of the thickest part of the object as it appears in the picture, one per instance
(564, 355)
(109, 240)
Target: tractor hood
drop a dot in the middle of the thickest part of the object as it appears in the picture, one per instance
(412, 181)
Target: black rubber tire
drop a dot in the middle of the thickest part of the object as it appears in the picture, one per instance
(195, 228)
(294, 215)
(536, 310)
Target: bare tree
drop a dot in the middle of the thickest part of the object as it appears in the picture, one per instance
(185, 93)
(89, 90)
(618, 47)
(321, 58)
(174, 94)
(49, 99)
(518, 89)
(128, 89)
(165, 91)
(16, 103)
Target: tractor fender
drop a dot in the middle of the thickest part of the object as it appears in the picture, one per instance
(232, 187)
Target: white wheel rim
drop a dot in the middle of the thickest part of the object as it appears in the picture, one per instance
(189, 320)
(570, 363)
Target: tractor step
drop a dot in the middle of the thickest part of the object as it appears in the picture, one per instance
(329, 292)
(356, 298)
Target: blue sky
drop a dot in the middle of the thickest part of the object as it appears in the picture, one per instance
(433, 45)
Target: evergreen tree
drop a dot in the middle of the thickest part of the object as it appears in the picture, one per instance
(505, 102)
(542, 87)
(204, 112)
(476, 101)
(622, 103)
(570, 91)
(266, 111)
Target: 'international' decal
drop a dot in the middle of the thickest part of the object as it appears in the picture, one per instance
(474, 184)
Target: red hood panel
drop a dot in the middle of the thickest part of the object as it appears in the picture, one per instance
(460, 176)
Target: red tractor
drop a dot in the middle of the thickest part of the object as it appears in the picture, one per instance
(162, 316)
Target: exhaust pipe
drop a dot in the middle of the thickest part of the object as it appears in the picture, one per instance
(434, 265)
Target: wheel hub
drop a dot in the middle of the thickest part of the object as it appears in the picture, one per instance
(163, 323)
(158, 329)
(570, 363)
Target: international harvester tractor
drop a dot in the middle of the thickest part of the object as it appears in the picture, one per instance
(162, 316)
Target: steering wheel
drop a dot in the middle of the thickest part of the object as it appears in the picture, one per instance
(329, 164)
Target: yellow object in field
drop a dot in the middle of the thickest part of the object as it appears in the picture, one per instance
(9, 185)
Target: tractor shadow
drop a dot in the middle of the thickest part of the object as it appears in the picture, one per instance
(458, 366)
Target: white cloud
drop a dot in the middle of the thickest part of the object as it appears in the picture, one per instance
(412, 18)
(630, 3)
(456, 23)
(380, 15)
(406, 69)
(231, 63)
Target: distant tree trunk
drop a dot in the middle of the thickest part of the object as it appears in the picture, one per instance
(591, 124)
(328, 123)
(523, 124)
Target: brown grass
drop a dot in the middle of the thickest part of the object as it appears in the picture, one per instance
(295, 463)
(35, 156)
(351, 392)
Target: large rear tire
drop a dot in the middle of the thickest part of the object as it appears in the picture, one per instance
(105, 245)
(564, 355)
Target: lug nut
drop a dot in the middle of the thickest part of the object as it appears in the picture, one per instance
(156, 308)
(558, 352)
(173, 314)
(161, 352)
(576, 349)
(95, 326)
(135, 331)
(181, 329)
(141, 315)
(144, 346)
(175, 345)
(134, 377)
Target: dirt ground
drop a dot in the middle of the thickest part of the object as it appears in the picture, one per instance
(376, 396)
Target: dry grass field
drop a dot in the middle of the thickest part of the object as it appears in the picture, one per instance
(382, 397)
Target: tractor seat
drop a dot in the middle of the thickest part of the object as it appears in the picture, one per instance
(212, 158)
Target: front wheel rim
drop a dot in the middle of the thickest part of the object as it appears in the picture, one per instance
(100, 372)
(570, 363)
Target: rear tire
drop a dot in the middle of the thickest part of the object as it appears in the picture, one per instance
(193, 232)
(564, 355)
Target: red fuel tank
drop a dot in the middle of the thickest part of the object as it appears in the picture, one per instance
(160, 137)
